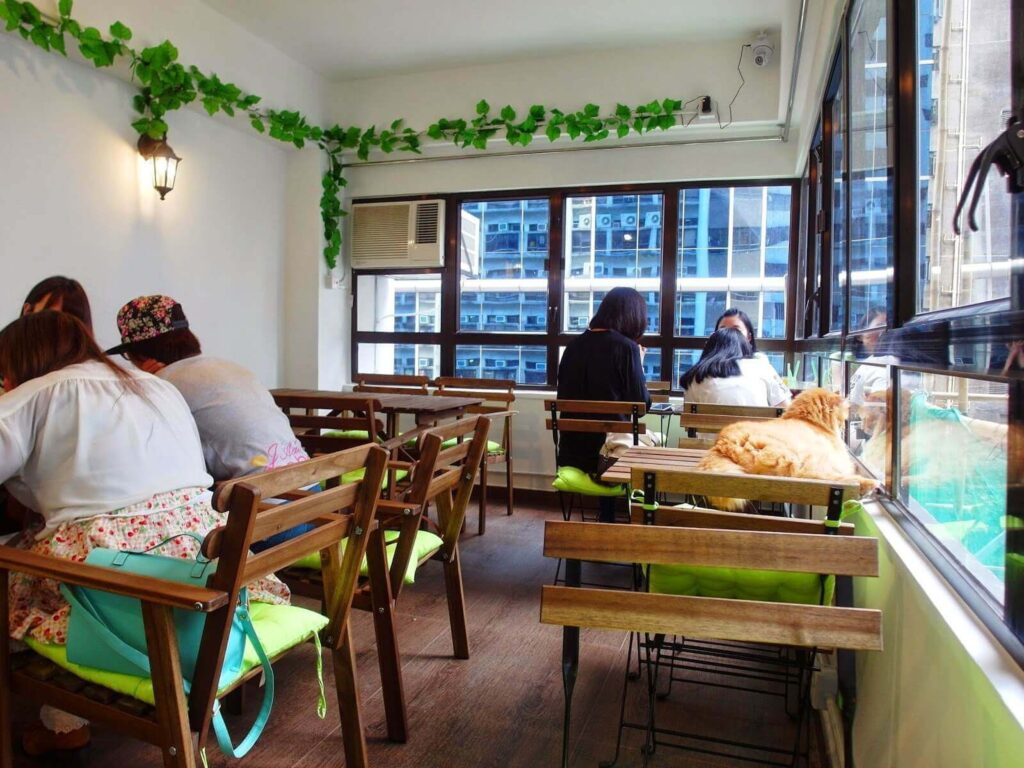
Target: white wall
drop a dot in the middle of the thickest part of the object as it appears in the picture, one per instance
(76, 201)
(942, 693)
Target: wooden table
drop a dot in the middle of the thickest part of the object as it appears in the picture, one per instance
(427, 409)
(662, 458)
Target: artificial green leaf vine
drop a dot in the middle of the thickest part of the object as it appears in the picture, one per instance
(167, 85)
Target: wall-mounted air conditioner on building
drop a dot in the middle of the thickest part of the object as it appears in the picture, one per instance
(628, 220)
(652, 219)
(583, 222)
(604, 221)
(396, 235)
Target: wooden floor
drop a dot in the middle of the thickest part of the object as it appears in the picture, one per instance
(502, 707)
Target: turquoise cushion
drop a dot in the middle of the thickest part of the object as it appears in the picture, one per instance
(427, 543)
(741, 584)
(575, 480)
(279, 628)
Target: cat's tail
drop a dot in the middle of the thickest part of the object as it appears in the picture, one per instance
(716, 462)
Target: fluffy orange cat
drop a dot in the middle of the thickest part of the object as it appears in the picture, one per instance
(806, 441)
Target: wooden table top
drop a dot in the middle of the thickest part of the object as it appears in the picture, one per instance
(389, 402)
(662, 458)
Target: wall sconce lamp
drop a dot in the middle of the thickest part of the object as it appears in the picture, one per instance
(161, 157)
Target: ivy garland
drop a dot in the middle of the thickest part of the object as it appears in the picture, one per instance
(167, 85)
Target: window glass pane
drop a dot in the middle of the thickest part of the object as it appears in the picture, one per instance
(610, 241)
(733, 252)
(525, 365)
(963, 88)
(652, 365)
(399, 303)
(869, 420)
(402, 359)
(953, 468)
(838, 111)
(870, 167)
(503, 246)
(682, 361)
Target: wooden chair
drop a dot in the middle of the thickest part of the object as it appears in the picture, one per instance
(327, 431)
(498, 394)
(446, 477)
(586, 416)
(659, 391)
(710, 417)
(703, 618)
(176, 715)
(391, 383)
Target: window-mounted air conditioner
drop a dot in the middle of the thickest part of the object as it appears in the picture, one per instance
(503, 226)
(396, 235)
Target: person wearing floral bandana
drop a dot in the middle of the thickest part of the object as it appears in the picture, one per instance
(241, 428)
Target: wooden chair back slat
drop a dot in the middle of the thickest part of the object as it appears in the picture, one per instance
(302, 421)
(702, 422)
(585, 425)
(711, 518)
(754, 487)
(391, 383)
(357, 418)
(594, 406)
(281, 556)
(706, 618)
(795, 552)
(742, 412)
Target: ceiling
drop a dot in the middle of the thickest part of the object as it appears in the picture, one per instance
(345, 39)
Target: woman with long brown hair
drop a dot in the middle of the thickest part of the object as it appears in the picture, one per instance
(107, 458)
(60, 293)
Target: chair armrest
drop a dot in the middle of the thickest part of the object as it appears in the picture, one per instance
(146, 588)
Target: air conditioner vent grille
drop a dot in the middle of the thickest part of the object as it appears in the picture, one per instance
(380, 231)
(427, 215)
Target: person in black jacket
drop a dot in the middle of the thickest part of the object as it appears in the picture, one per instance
(604, 363)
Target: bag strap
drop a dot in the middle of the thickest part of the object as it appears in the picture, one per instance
(141, 660)
(220, 728)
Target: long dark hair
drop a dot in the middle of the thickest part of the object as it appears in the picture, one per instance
(622, 310)
(751, 330)
(47, 341)
(720, 359)
(60, 292)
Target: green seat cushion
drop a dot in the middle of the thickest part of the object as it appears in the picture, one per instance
(427, 543)
(492, 447)
(350, 434)
(357, 474)
(279, 628)
(741, 584)
(575, 480)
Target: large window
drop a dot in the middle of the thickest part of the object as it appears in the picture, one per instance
(963, 97)
(523, 274)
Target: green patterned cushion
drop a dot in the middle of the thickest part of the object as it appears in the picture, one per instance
(427, 543)
(575, 480)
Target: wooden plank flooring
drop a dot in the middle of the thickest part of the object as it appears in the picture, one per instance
(502, 707)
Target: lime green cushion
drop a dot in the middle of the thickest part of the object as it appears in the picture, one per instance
(492, 447)
(575, 480)
(351, 434)
(279, 627)
(357, 474)
(741, 584)
(427, 543)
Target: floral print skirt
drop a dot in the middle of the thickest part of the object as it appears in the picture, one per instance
(39, 611)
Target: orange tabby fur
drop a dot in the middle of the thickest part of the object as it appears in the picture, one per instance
(804, 442)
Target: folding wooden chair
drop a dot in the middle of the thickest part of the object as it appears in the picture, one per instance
(734, 555)
(586, 416)
(702, 618)
(169, 720)
(400, 544)
(499, 395)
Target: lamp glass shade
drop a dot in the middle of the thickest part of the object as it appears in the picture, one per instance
(164, 162)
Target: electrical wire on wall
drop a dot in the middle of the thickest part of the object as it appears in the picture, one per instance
(743, 82)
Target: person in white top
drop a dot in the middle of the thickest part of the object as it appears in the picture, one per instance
(106, 458)
(728, 374)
